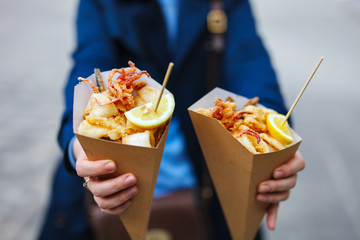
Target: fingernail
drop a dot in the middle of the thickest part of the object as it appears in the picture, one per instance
(126, 204)
(261, 198)
(278, 174)
(264, 188)
(130, 180)
(132, 191)
(110, 166)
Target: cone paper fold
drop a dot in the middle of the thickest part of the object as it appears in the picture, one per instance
(234, 170)
(143, 162)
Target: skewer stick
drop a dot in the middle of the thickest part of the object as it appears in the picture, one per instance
(302, 91)
(99, 81)
(167, 75)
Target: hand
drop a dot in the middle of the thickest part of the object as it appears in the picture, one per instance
(278, 189)
(113, 195)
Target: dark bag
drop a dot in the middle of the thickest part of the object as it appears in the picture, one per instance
(173, 217)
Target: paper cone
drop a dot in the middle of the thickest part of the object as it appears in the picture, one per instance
(234, 170)
(144, 162)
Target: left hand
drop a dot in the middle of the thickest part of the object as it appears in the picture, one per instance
(278, 188)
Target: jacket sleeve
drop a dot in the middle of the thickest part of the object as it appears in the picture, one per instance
(246, 66)
(94, 49)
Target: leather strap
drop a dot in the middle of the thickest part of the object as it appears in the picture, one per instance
(217, 27)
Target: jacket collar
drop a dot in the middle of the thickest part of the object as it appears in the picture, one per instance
(192, 19)
(151, 32)
(141, 28)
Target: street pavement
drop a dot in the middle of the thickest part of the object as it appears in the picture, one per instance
(37, 38)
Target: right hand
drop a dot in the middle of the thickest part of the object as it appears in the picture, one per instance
(112, 195)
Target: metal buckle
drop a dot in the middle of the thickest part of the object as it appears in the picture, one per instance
(217, 21)
(158, 234)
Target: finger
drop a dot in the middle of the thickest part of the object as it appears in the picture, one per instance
(85, 168)
(272, 216)
(115, 200)
(117, 210)
(279, 185)
(103, 188)
(273, 197)
(294, 165)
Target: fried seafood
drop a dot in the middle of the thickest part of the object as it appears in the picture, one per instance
(104, 115)
(140, 139)
(124, 85)
(247, 125)
(121, 88)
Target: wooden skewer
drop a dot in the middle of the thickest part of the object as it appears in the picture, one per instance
(99, 81)
(167, 75)
(302, 90)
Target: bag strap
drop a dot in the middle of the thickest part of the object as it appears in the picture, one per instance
(217, 26)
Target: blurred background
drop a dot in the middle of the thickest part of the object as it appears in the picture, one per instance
(37, 38)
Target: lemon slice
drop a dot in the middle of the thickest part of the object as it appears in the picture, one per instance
(145, 117)
(279, 131)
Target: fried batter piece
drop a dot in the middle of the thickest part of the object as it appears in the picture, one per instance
(256, 120)
(99, 106)
(275, 144)
(250, 143)
(223, 111)
(250, 139)
(145, 139)
(103, 118)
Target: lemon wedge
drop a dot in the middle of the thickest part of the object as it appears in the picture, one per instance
(279, 131)
(144, 116)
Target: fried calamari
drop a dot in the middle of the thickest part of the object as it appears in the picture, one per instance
(104, 115)
(247, 125)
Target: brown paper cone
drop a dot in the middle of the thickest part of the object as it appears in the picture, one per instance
(234, 170)
(142, 161)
